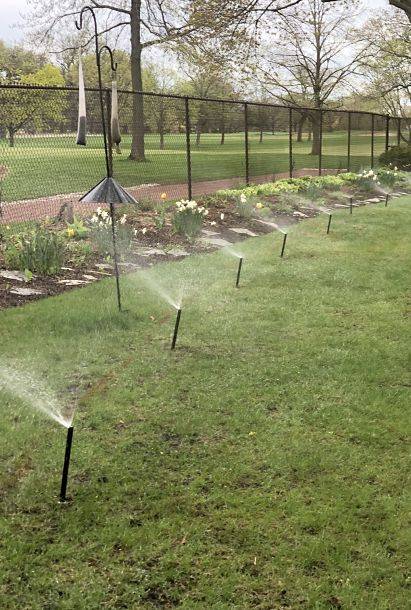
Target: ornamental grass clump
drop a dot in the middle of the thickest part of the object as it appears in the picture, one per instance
(39, 251)
(101, 233)
(188, 218)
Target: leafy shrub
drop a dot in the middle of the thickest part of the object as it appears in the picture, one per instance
(78, 252)
(287, 202)
(188, 218)
(39, 251)
(397, 156)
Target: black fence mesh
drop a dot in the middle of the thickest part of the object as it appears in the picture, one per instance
(170, 144)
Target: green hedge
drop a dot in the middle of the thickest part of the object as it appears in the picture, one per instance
(397, 156)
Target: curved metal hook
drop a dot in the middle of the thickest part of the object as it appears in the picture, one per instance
(79, 26)
(113, 63)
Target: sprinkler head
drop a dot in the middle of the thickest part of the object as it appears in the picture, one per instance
(283, 246)
(240, 264)
(329, 223)
(66, 465)
(386, 199)
(177, 324)
(351, 202)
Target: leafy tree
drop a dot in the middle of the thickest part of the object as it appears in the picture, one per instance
(32, 109)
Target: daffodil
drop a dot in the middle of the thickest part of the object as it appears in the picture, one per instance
(70, 232)
(144, 231)
(163, 196)
(222, 216)
(259, 205)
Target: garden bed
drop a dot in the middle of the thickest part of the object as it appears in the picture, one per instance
(149, 235)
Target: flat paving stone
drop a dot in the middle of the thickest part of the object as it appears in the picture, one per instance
(73, 282)
(89, 277)
(18, 276)
(209, 233)
(177, 252)
(373, 200)
(152, 252)
(216, 241)
(242, 231)
(103, 266)
(25, 292)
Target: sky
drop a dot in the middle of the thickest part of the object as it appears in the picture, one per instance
(10, 11)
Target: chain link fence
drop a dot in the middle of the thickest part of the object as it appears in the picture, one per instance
(183, 147)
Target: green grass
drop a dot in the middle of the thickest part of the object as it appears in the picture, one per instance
(261, 465)
(40, 166)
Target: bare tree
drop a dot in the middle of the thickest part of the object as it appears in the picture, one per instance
(313, 60)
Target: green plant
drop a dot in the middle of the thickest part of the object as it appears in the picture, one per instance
(76, 229)
(188, 218)
(388, 177)
(313, 191)
(244, 206)
(78, 252)
(146, 205)
(101, 233)
(397, 156)
(160, 217)
(38, 251)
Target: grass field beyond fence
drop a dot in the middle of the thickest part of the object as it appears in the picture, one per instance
(49, 165)
(261, 465)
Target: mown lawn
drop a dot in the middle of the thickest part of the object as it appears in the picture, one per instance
(40, 166)
(262, 465)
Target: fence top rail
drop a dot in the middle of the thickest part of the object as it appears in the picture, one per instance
(198, 99)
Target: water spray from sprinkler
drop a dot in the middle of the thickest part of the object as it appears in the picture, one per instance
(66, 465)
(177, 324)
(240, 264)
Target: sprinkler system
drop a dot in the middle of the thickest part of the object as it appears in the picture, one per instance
(177, 324)
(351, 202)
(386, 199)
(283, 246)
(240, 264)
(64, 478)
(330, 217)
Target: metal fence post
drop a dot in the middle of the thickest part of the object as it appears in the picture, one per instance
(247, 159)
(290, 141)
(349, 143)
(320, 152)
(399, 132)
(387, 132)
(372, 139)
(188, 147)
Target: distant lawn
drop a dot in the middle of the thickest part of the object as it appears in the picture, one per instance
(262, 465)
(40, 166)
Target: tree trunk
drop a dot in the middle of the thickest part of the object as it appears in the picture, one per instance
(137, 152)
(160, 124)
(198, 133)
(261, 136)
(11, 137)
(300, 129)
(222, 128)
(316, 141)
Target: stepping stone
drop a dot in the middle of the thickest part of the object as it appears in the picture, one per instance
(67, 269)
(103, 266)
(301, 214)
(25, 292)
(73, 282)
(373, 200)
(89, 277)
(102, 273)
(18, 276)
(216, 241)
(209, 233)
(177, 252)
(152, 252)
(241, 231)
(267, 223)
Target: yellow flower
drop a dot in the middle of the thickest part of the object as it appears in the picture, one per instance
(163, 196)
(71, 232)
(259, 205)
